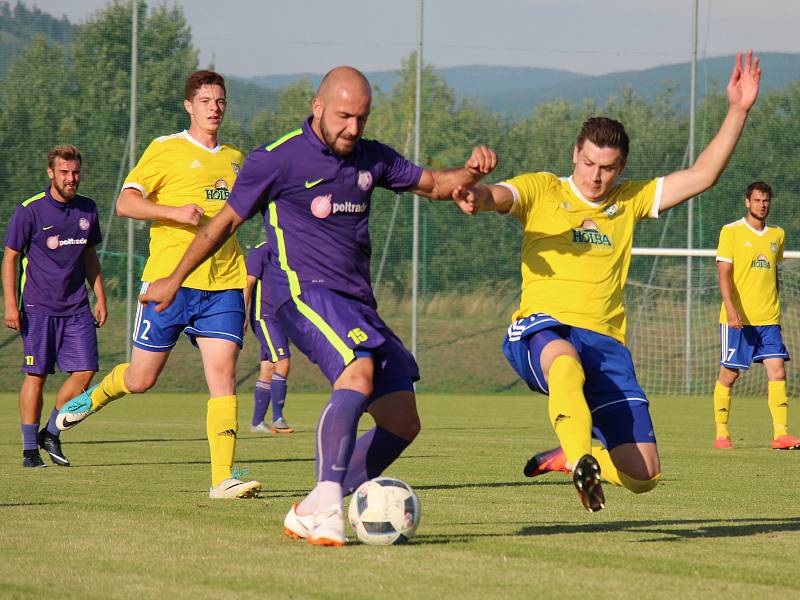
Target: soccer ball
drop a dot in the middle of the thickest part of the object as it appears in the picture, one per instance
(384, 511)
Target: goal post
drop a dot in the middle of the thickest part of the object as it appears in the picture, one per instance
(658, 309)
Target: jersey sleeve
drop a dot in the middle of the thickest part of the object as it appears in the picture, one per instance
(254, 186)
(527, 189)
(781, 239)
(20, 229)
(399, 173)
(647, 198)
(725, 246)
(148, 174)
(95, 235)
(255, 261)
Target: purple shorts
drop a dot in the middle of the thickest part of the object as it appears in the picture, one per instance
(274, 343)
(331, 329)
(69, 342)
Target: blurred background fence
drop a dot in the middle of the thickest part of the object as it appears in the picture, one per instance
(61, 82)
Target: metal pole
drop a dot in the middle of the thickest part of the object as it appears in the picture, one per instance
(690, 204)
(415, 227)
(131, 164)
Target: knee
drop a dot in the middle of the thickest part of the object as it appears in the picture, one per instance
(643, 482)
(728, 378)
(403, 425)
(139, 384)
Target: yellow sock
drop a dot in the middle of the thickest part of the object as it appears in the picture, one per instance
(569, 413)
(111, 388)
(722, 409)
(610, 473)
(779, 407)
(221, 426)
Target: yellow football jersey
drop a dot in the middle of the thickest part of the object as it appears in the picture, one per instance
(575, 252)
(176, 170)
(755, 256)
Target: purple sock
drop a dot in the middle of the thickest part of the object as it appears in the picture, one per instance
(374, 452)
(262, 395)
(51, 423)
(278, 396)
(336, 433)
(29, 433)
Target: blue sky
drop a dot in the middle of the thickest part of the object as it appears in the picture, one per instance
(260, 37)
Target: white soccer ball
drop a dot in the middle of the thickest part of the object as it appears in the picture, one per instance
(384, 511)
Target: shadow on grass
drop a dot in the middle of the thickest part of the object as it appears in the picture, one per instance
(191, 462)
(671, 530)
(18, 504)
(667, 530)
(490, 484)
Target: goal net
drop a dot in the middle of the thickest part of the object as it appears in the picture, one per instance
(673, 302)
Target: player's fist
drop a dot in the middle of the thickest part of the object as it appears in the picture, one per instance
(482, 161)
(467, 200)
(162, 292)
(188, 214)
(12, 318)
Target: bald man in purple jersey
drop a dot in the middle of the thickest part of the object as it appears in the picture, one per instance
(314, 187)
(55, 233)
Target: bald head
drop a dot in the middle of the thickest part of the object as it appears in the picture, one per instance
(344, 81)
(340, 109)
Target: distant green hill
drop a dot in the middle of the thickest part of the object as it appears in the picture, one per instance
(19, 24)
(520, 89)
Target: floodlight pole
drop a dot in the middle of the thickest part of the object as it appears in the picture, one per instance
(415, 226)
(690, 205)
(131, 163)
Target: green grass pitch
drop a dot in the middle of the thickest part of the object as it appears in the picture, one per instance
(131, 518)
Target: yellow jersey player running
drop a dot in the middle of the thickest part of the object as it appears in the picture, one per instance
(180, 182)
(568, 336)
(748, 255)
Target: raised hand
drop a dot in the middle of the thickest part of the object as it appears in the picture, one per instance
(188, 214)
(482, 161)
(744, 82)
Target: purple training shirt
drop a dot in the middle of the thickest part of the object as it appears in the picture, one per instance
(316, 208)
(52, 236)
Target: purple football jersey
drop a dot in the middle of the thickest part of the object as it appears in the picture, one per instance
(257, 264)
(316, 208)
(52, 236)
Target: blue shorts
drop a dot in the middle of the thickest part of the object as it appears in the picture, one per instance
(751, 343)
(332, 329)
(274, 343)
(69, 342)
(197, 313)
(619, 406)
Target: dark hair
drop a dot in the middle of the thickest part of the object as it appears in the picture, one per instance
(761, 187)
(65, 151)
(200, 78)
(604, 133)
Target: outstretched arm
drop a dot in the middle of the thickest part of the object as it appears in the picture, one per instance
(207, 241)
(482, 198)
(439, 184)
(742, 93)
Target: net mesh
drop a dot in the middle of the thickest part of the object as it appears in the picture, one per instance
(62, 82)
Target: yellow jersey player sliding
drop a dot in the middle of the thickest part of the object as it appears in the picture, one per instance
(567, 339)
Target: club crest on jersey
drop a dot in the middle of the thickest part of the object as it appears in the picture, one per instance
(773, 247)
(589, 233)
(612, 210)
(235, 167)
(220, 191)
(321, 206)
(83, 224)
(364, 181)
(760, 262)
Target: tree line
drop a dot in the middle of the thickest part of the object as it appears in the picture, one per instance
(79, 93)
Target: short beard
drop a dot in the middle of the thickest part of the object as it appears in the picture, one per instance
(63, 193)
(329, 140)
